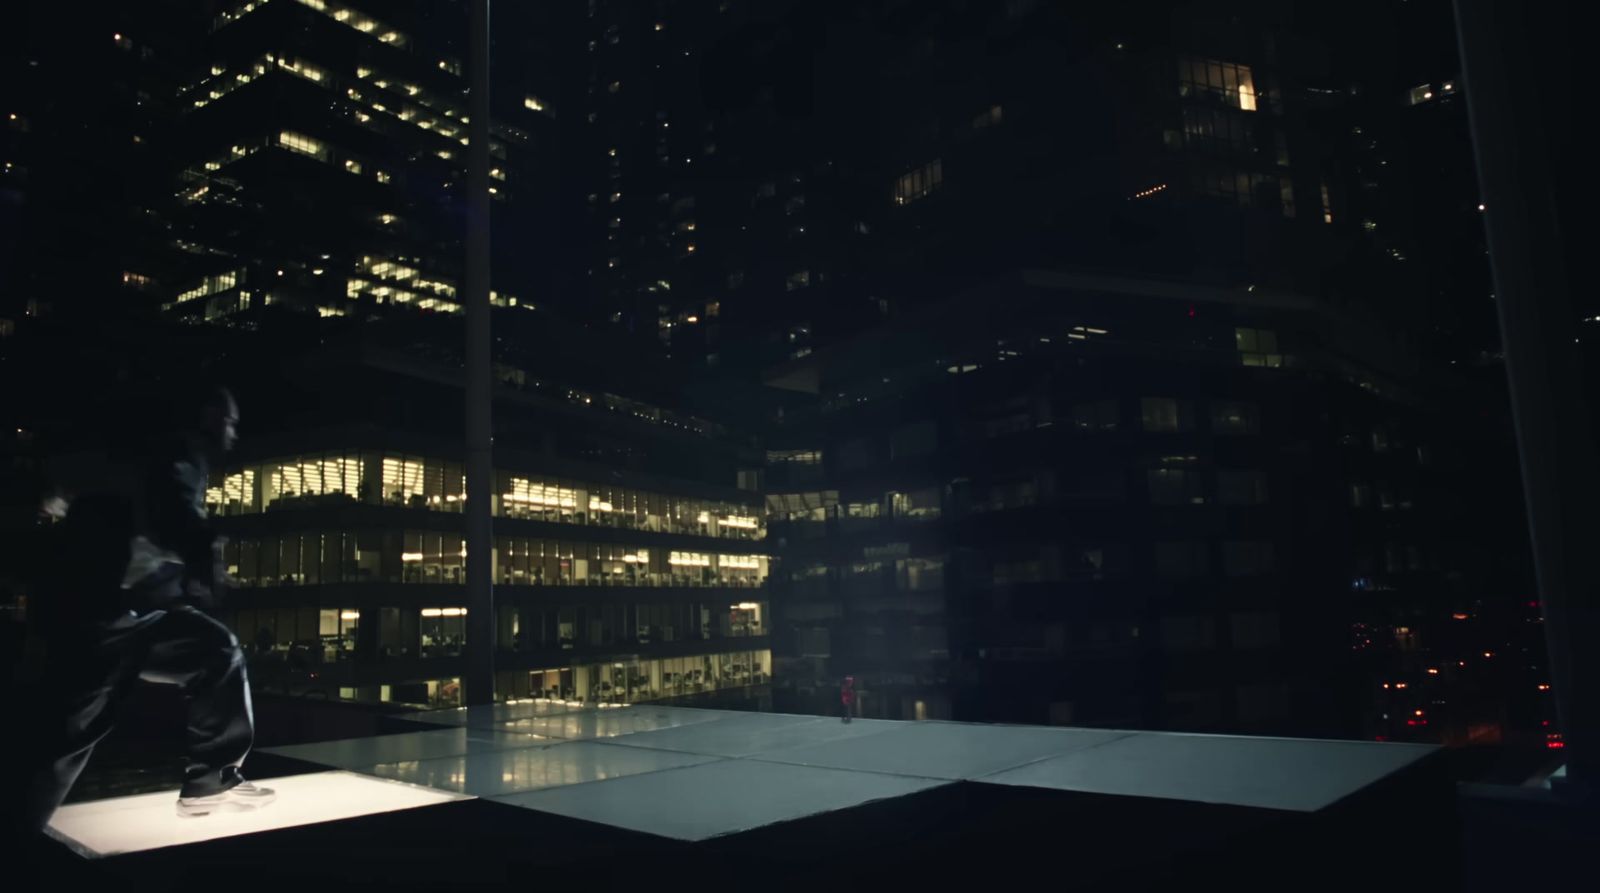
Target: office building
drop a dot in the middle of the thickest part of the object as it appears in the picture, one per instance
(628, 565)
(324, 148)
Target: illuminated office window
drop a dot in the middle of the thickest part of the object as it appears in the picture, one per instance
(305, 145)
(1258, 347)
(918, 183)
(303, 69)
(402, 481)
(210, 285)
(352, 166)
(355, 19)
(1232, 84)
(236, 496)
(304, 482)
(527, 498)
(337, 628)
(919, 505)
(443, 631)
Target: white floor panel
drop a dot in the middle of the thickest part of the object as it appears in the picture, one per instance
(717, 798)
(489, 715)
(361, 753)
(950, 751)
(150, 821)
(530, 768)
(1273, 773)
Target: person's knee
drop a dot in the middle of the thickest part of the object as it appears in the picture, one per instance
(230, 657)
(222, 656)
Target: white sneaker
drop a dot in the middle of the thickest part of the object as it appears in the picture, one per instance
(242, 797)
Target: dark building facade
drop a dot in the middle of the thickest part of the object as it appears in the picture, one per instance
(1207, 159)
(1076, 499)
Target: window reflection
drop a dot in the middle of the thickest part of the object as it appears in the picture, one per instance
(632, 681)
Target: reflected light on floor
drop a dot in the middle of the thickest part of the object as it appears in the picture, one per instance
(150, 821)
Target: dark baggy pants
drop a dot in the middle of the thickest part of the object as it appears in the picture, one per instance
(91, 670)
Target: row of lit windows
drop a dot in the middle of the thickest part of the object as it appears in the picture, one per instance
(237, 13)
(210, 285)
(318, 75)
(315, 148)
(328, 635)
(218, 85)
(637, 680)
(421, 117)
(643, 680)
(356, 287)
(425, 482)
(417, 556)
(357, 20)
(305, 145)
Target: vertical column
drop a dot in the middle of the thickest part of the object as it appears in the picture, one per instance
(479, 433)
(1514, 77)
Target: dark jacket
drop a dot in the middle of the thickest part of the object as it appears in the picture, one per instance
(175, 516)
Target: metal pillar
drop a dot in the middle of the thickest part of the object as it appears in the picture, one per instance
(1509, 51)
(480, 437)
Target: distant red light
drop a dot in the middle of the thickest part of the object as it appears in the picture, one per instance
(1555, 745)
(1191, 311)
(1416, 722)
(1533, 604)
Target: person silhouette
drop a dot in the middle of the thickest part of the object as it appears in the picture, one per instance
(134, 574)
